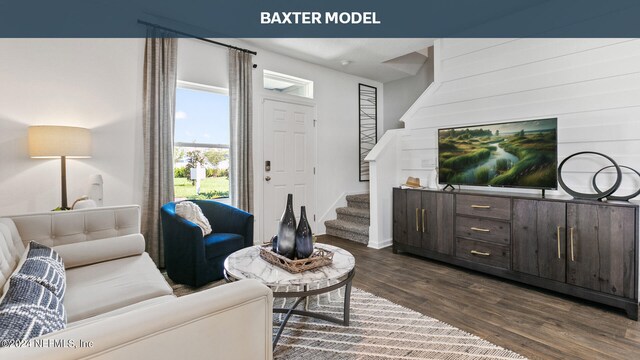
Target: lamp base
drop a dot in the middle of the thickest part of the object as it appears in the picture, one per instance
(63, 183)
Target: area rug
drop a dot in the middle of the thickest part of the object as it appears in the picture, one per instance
(378, 329)
(182, 290)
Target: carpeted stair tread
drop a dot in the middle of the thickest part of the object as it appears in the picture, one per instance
(348, 226)
(362, 239)
(360, 201)
(358, 198)
(357, 212)
(353, 220)
(354, 215)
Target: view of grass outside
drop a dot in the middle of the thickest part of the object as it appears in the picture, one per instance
(215, 163)
(210, 188)
(201, 142)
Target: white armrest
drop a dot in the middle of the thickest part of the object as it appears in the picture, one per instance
(233, 321)
(95, 251)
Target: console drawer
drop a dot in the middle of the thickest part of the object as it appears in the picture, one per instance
(484, 206)
(495, 231)
(483, 253)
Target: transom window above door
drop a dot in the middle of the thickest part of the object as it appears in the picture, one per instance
(201, 142)
(287, 84)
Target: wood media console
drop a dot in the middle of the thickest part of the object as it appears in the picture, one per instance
(586, 249)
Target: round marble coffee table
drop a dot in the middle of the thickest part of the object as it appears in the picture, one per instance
(247, 264)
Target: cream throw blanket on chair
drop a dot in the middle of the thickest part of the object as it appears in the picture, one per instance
(192, 212)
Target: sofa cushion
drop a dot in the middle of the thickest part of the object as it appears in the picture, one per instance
(53, 228)
(15, 244)
(11, 249)
(7, 258)
(96, 289)
(220, 244)
(95, 251)
(29, 310)
(23, 258)
(44, 266)
(126, 309)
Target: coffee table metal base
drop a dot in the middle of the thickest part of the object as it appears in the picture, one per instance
(303, 296)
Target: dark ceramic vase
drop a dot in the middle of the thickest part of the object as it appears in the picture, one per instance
(304, 240)
(287, 231)
(274, 243)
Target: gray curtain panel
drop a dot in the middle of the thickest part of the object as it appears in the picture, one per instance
(160, 64)
(241, 111)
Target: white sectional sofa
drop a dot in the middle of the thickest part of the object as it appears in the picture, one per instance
(117, 299)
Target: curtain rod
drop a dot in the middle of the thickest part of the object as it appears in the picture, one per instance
(195, 37)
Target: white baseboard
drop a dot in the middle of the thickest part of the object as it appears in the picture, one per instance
(381, 245)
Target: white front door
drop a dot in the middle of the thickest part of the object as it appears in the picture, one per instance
(289, 160)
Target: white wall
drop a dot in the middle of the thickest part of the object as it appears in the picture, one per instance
(591, 85)
(400, 94)
(336, 100)
(202, 63)
(81, 82)
(97, 83)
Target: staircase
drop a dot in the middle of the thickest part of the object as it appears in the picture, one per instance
(353, 221)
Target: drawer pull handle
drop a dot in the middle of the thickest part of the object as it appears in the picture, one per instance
(474, 252)
(480, 229)
(481, 206)
(558, 233)
(572, 257)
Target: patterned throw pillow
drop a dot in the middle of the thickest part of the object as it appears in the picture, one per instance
(45, 267)
(29, 310)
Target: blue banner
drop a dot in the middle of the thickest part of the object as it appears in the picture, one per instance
(323, 18)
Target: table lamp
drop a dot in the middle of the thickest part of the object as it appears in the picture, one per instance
(49, 142)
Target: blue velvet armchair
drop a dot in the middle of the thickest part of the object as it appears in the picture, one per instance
(193, 259)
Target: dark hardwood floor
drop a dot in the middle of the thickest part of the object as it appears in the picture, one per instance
(533, 322)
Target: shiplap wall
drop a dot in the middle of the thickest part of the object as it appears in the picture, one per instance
(591, 85)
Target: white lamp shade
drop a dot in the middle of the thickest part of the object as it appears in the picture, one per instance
(56, 141)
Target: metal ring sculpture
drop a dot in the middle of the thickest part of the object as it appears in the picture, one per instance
(621, 198)
(600, 194)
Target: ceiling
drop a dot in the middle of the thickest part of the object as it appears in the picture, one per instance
(382, 60)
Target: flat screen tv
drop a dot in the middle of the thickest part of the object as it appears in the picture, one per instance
(519, 154)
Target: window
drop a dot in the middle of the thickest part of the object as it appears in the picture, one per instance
(287, 84)
(201, 142)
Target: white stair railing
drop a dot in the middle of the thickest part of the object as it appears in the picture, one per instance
(383, 176)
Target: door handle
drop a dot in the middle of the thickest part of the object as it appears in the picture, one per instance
(423, 219)
(417, 221)
(268, 178)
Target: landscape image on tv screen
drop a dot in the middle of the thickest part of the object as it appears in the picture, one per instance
(515, 154)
